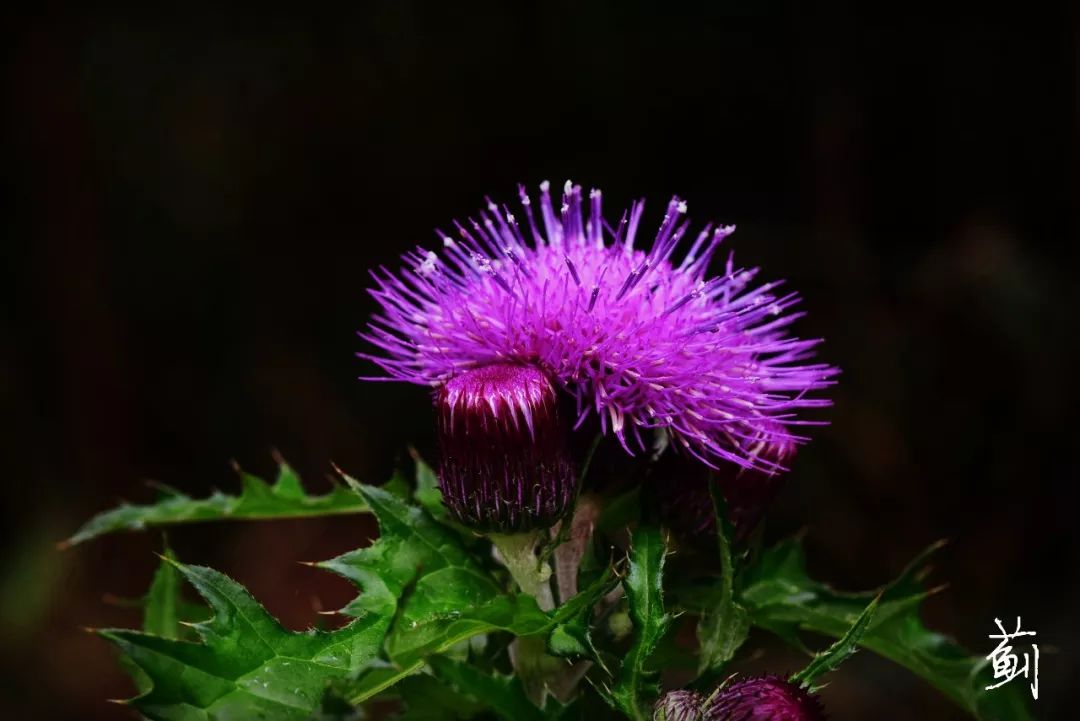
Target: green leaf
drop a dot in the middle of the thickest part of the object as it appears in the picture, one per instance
(160, 614)
(415, 552)
(572, 635)
(247, 666)
(427, 492)
(258, 500)
(504, 695)
(832, 657)
(420, 575)
(426, 698)
(723, 626)
(636, 686)
(782, 598)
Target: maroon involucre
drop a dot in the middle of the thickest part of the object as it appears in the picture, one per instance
(505, 463)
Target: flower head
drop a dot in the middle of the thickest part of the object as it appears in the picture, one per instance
(505, 465)
(680, 705)
(643, 338)
(766, 698)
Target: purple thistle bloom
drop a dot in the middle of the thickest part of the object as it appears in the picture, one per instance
(640, 337)
(766, 698)
(505, 464)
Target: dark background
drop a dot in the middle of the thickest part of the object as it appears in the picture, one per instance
(194, 200)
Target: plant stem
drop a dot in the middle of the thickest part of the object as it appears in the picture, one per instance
(569, 553)
(518, 553)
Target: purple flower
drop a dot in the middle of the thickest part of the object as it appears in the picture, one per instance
(505, 464)
(767, 698)
(643, 338)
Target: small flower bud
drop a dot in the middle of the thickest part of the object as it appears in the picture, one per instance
(680, 705)
(505, 464)
(766, 698)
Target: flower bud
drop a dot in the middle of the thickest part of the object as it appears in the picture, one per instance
(766, 698)
(505, 463)
(680, 705)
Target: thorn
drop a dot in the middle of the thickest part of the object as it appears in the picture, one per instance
(351, 482)
(120, 701)
(937, 589)
(311, 564)
(64, 545)
(171, 561)
(278, 458)
(327, 613)
(188, 624)
(162, 487)
(233, 464)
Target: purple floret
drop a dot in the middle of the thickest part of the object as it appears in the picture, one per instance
(642, 338)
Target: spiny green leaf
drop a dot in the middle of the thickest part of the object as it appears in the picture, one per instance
(285, 498)
(438, 594)
(504, 695)
(782, 598)
(636, 685)
(427, 492)
(160, 614)
(420, 578)
(723, 628)
(247, 666)
(516, 614)
(832, 657)
(572, 635)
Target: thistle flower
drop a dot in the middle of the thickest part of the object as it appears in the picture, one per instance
(642, 338)
(505, 465)
(766, 698)
(680, 705)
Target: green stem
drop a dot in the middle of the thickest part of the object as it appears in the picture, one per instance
(518, 553)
